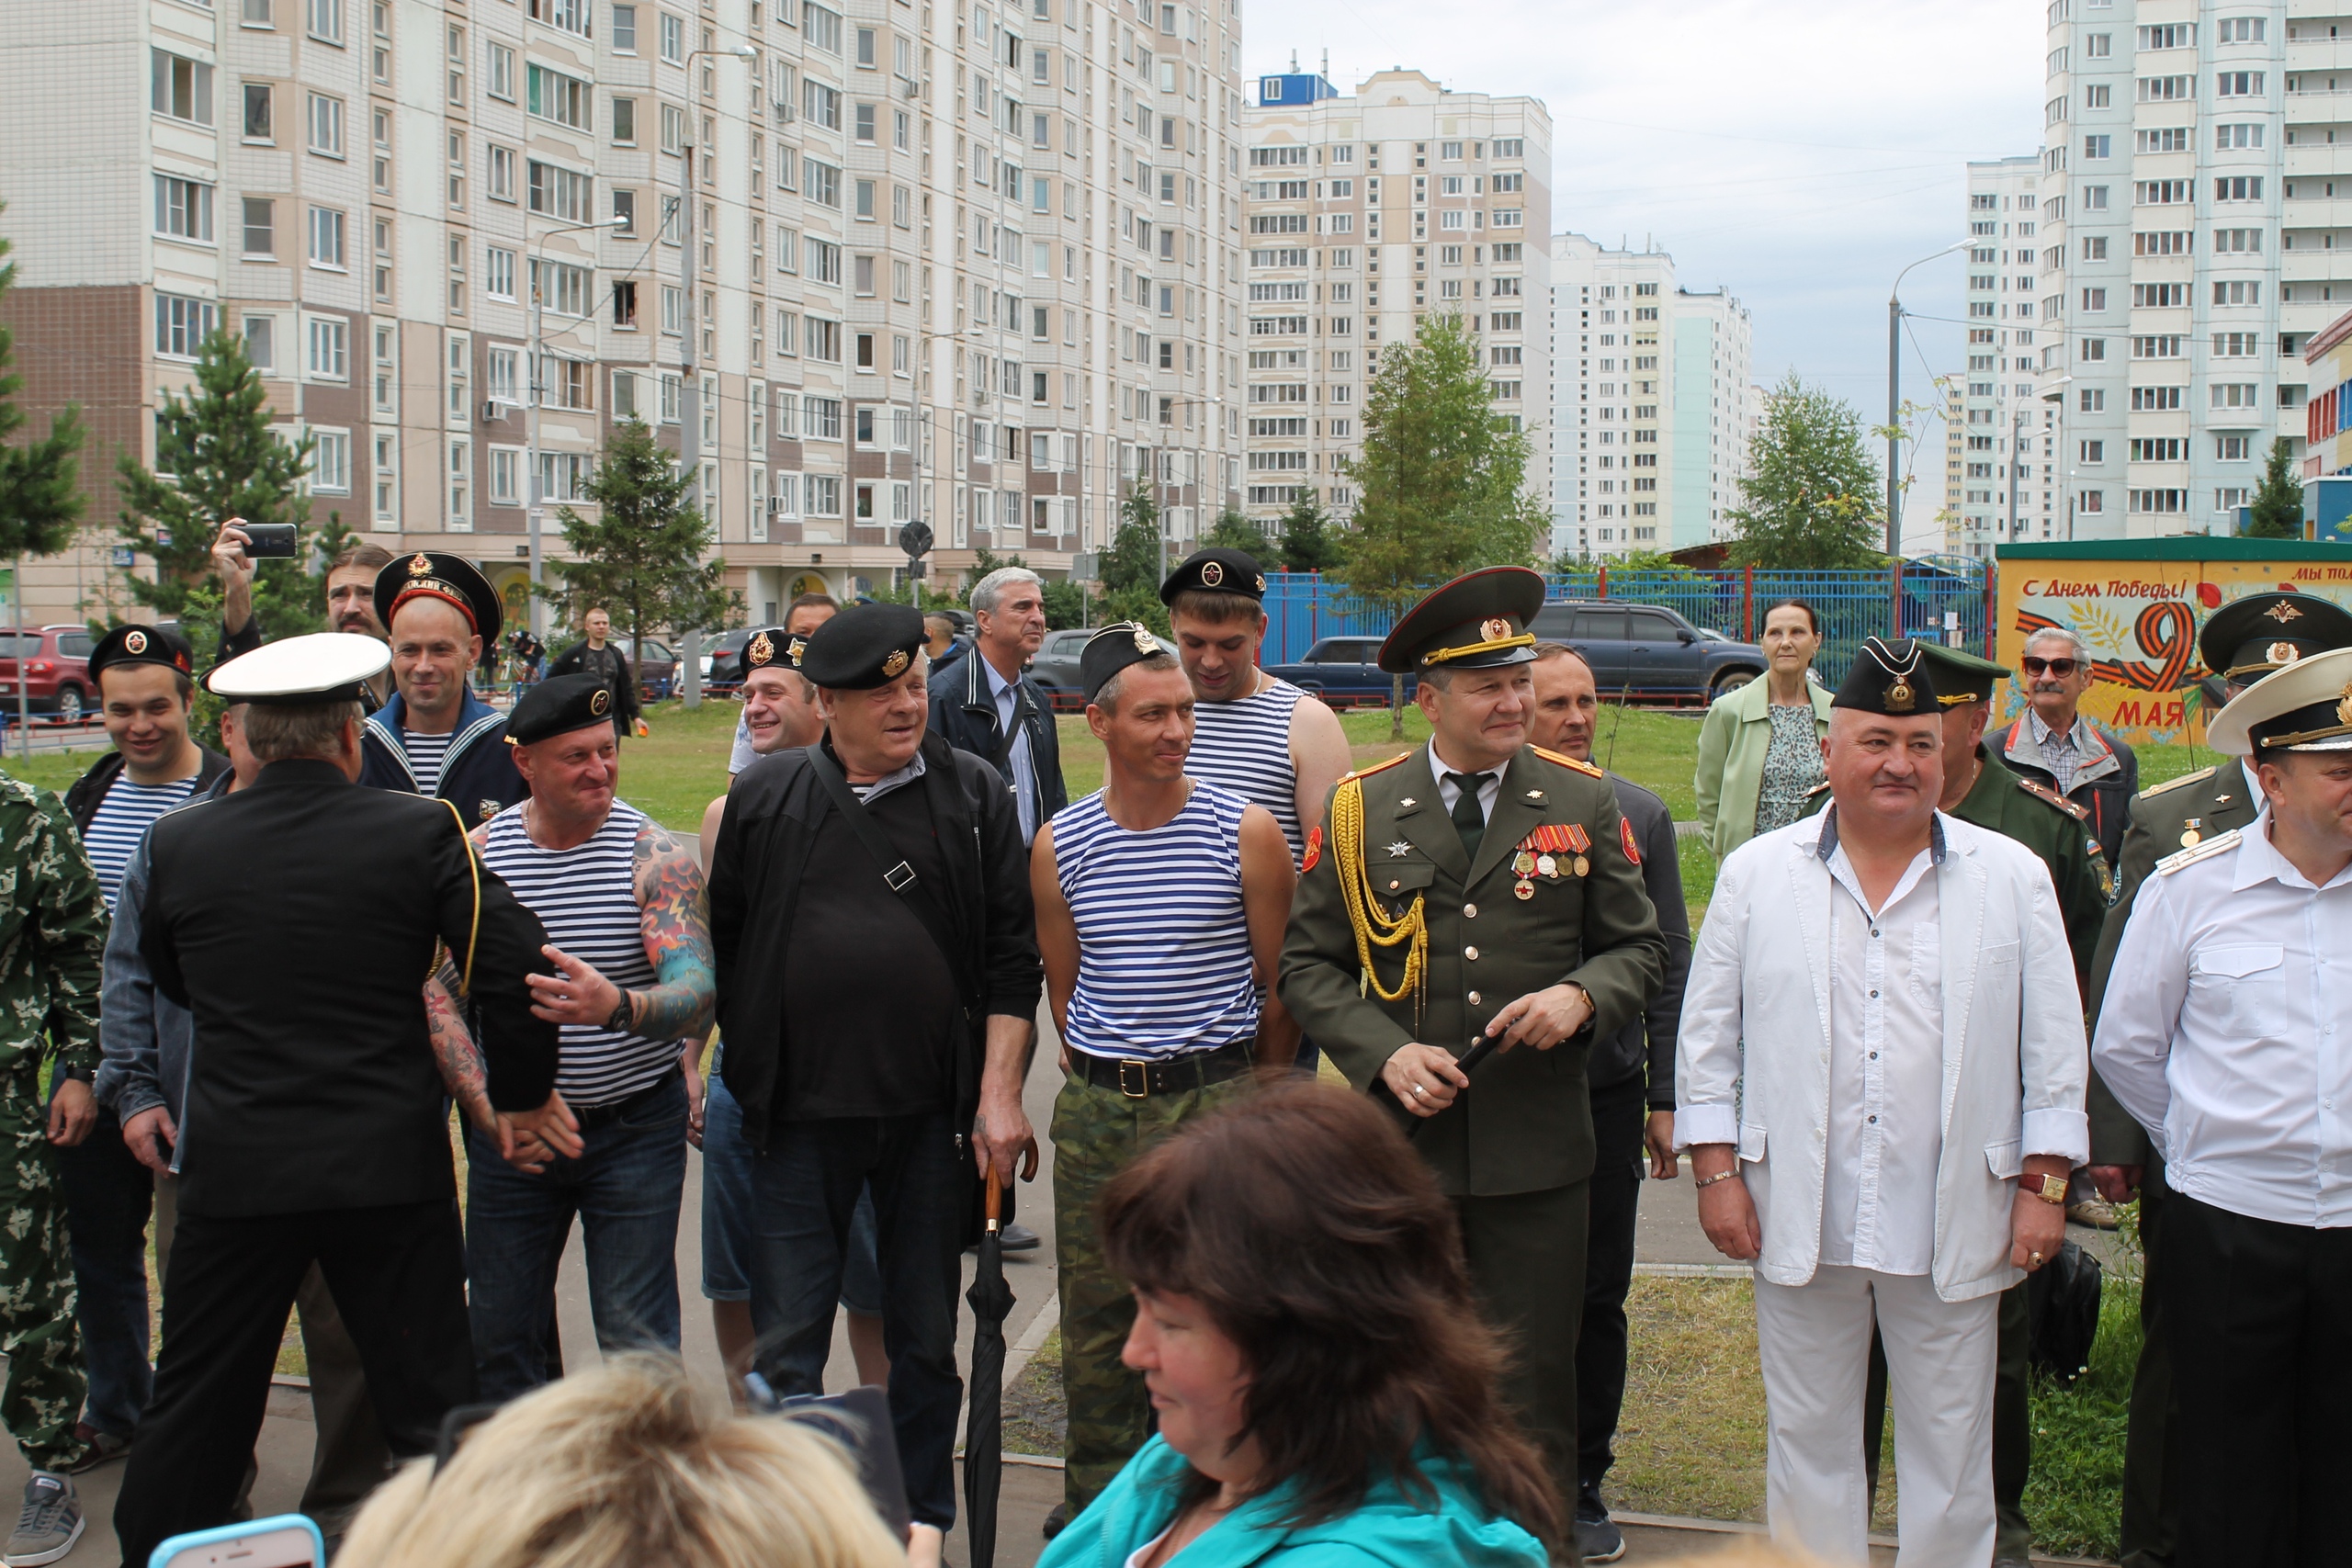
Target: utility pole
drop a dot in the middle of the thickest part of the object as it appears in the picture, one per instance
(538, 394)
(1894, 404)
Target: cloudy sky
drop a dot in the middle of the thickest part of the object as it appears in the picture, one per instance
(1799, 153)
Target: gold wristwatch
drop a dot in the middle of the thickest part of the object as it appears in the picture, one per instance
(2048, 1189)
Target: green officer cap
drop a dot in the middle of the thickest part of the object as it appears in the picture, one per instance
(1960, 676)
(1475, 622)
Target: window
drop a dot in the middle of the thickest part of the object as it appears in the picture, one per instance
(624, 30)
(565, 475)
(326, 126)
(2239, 85)
(821, 183)
(821, 28)
(2158, 449)
(326, 238)
(2167, 89)
(502, 173)
(624, 114)
(2172, 139)
(2236, 345)
(2092, 452)
(2237, 242)
(2233, 448)
(2236, 293)
(325, 18)
(257, 119)
(2094, 298)
(2154, 400)
(182, 89)
(2241, 30)
(822, 419)
(674, 38)
(824, 340)
(2159, 296)
(2237, 395)
(181, 324)
(561, 287)
(261, 226)
(558, 193)
(2238, 187)
(256, 14)
(558, 97)
(261, 343)
(329, 341)
(2226, 139)
(824, 260)
(183, 209)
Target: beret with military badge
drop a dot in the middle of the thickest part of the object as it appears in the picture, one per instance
(1478, 621)
(771, 648)
(1888, 678)
(437, 574)
(1218, 570)
(863, 647)
(143, 645)
(558, 706)
(1111, 649)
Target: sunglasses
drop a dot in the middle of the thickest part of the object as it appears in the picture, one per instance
(2061, 668)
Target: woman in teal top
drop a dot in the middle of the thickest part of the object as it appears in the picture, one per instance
(1325, 1387)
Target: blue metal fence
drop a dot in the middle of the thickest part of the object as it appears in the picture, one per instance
(1943, 599)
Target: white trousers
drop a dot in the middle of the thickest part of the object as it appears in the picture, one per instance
(1816, 1343)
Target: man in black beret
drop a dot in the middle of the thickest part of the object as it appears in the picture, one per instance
(880, 862)
(435, 737)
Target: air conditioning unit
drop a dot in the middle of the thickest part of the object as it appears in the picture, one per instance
(494, 410)
(775, 505)
(914, 88)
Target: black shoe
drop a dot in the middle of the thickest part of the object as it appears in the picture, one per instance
(1598, 1539)
(1016, 1237)
(1057, 1519)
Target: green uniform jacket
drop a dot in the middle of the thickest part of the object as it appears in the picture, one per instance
(1525, 1125)
(2000, 801)
(2216, 800)
(52, 934)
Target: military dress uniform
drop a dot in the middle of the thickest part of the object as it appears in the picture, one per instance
(1409, 926)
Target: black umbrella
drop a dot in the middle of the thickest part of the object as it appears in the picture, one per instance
(991, 1298)
(1481, 1047)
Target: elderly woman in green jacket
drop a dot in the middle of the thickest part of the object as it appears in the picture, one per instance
(1759, 752)
(1325, 1387)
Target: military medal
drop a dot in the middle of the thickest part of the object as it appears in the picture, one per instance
(1524, 864)
(1583, 866)
(2190, 837)
(1523, 888)
(1546, 866)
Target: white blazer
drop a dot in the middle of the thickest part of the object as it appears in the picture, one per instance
(1752, 1064)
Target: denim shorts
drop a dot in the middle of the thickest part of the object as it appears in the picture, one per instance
(727, 1215)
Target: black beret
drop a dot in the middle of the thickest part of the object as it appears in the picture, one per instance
(1962, 677)
(439, 575)
(143, 645)
(1220, 571)
(1475, 621)
(772, 647)
(558, 706)
(1889, 678)
(1111, 649)
(2253, 636)
(863, 647)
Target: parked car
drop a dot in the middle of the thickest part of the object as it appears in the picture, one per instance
(722, 659)
(1344, 671)
(1648, 648)
(55, 663)
(1056, 664)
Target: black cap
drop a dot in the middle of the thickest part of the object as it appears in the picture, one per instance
(1218, 570)
(1889, 678)
(2251, 637)
(1962, 677)
(772, 647)
(558, 706)
(1475, 621)
(863, 647)
(1111, 649)
(438, 574)
(143, 645)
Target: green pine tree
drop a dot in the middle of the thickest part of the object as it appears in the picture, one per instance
(40, 497)
(1234, 531)
(641, 555)
(1810, 500)
(2278, 509)
(1309, 539)
(1442, 477)
(216, 456)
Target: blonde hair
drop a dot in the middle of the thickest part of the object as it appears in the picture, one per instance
(626, 1464)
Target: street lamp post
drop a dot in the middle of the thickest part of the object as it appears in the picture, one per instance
(1894, 402)
(1167, 531)
(538, 392)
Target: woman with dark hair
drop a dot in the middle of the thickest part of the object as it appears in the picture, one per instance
(1324, 1384)
(1759, 751)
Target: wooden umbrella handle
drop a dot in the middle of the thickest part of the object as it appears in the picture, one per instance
(995, 1197)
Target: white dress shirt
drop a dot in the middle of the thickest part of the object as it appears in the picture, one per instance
(2232, 1044)
(1491, 783)
(1007, 694)
(1887, 1070)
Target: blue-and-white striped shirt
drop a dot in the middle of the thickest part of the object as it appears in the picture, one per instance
(425, 755)
(1245, 747)
(1163, 946)
(122, 819)
(586, 897)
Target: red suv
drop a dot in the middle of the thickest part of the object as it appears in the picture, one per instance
(56, 671)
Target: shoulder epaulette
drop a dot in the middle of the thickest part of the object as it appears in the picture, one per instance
(2049, 796)
(1376, 767)
(2176, 784)
(2196, 852)
(1816, 789)
(1567, 761)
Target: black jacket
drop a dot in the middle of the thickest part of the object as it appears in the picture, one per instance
(757, 895)
(297, 921)
(1648, 1040)
(2106, 794)
(478, 774)
(618, 676)
(87, 794)
(963, 709)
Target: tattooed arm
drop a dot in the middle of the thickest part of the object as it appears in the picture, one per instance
(454, 1051)
(677, 938)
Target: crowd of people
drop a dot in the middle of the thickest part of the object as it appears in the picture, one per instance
(258, 981)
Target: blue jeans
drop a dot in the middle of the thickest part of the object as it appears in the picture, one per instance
(108, 1196)
(805, 1193)
(626, 1188)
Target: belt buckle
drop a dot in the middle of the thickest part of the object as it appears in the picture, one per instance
(1143, 1080)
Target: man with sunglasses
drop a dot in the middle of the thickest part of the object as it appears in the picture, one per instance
(2052, 744)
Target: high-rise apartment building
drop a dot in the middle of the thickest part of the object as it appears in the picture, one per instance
(1650, 398)
(2000, 438)
(973, 261)
(2190, 240)
(1364, 214)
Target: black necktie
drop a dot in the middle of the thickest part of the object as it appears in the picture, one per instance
(1468, 820)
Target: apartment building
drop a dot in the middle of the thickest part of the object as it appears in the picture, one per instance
(1365, 213)
(970, 263)
(1651, 402)
(2191, 241)
(1999, 484)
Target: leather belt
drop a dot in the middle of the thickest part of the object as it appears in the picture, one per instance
(1167, 1075)
(594, 1116)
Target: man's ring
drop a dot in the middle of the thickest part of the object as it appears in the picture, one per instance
(1420, 1090)
(2033, 1259)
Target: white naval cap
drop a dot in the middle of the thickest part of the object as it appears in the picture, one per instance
(324, 667)
(2303, 706)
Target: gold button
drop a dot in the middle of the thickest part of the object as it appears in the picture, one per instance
(1469, 911)
(1474, 999)
(1470, 952)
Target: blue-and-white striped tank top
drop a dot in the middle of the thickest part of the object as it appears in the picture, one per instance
(1245, 747)
(1164, 947)
(586, 897)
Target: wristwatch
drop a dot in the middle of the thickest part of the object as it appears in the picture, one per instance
(622, 1018)
(2048, 1189)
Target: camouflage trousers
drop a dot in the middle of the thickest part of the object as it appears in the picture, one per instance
(43, 1398)
(1096, 1133)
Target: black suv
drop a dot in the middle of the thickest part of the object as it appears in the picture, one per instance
(1648, 648)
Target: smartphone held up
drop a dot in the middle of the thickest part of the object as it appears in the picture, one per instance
(268, 541)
